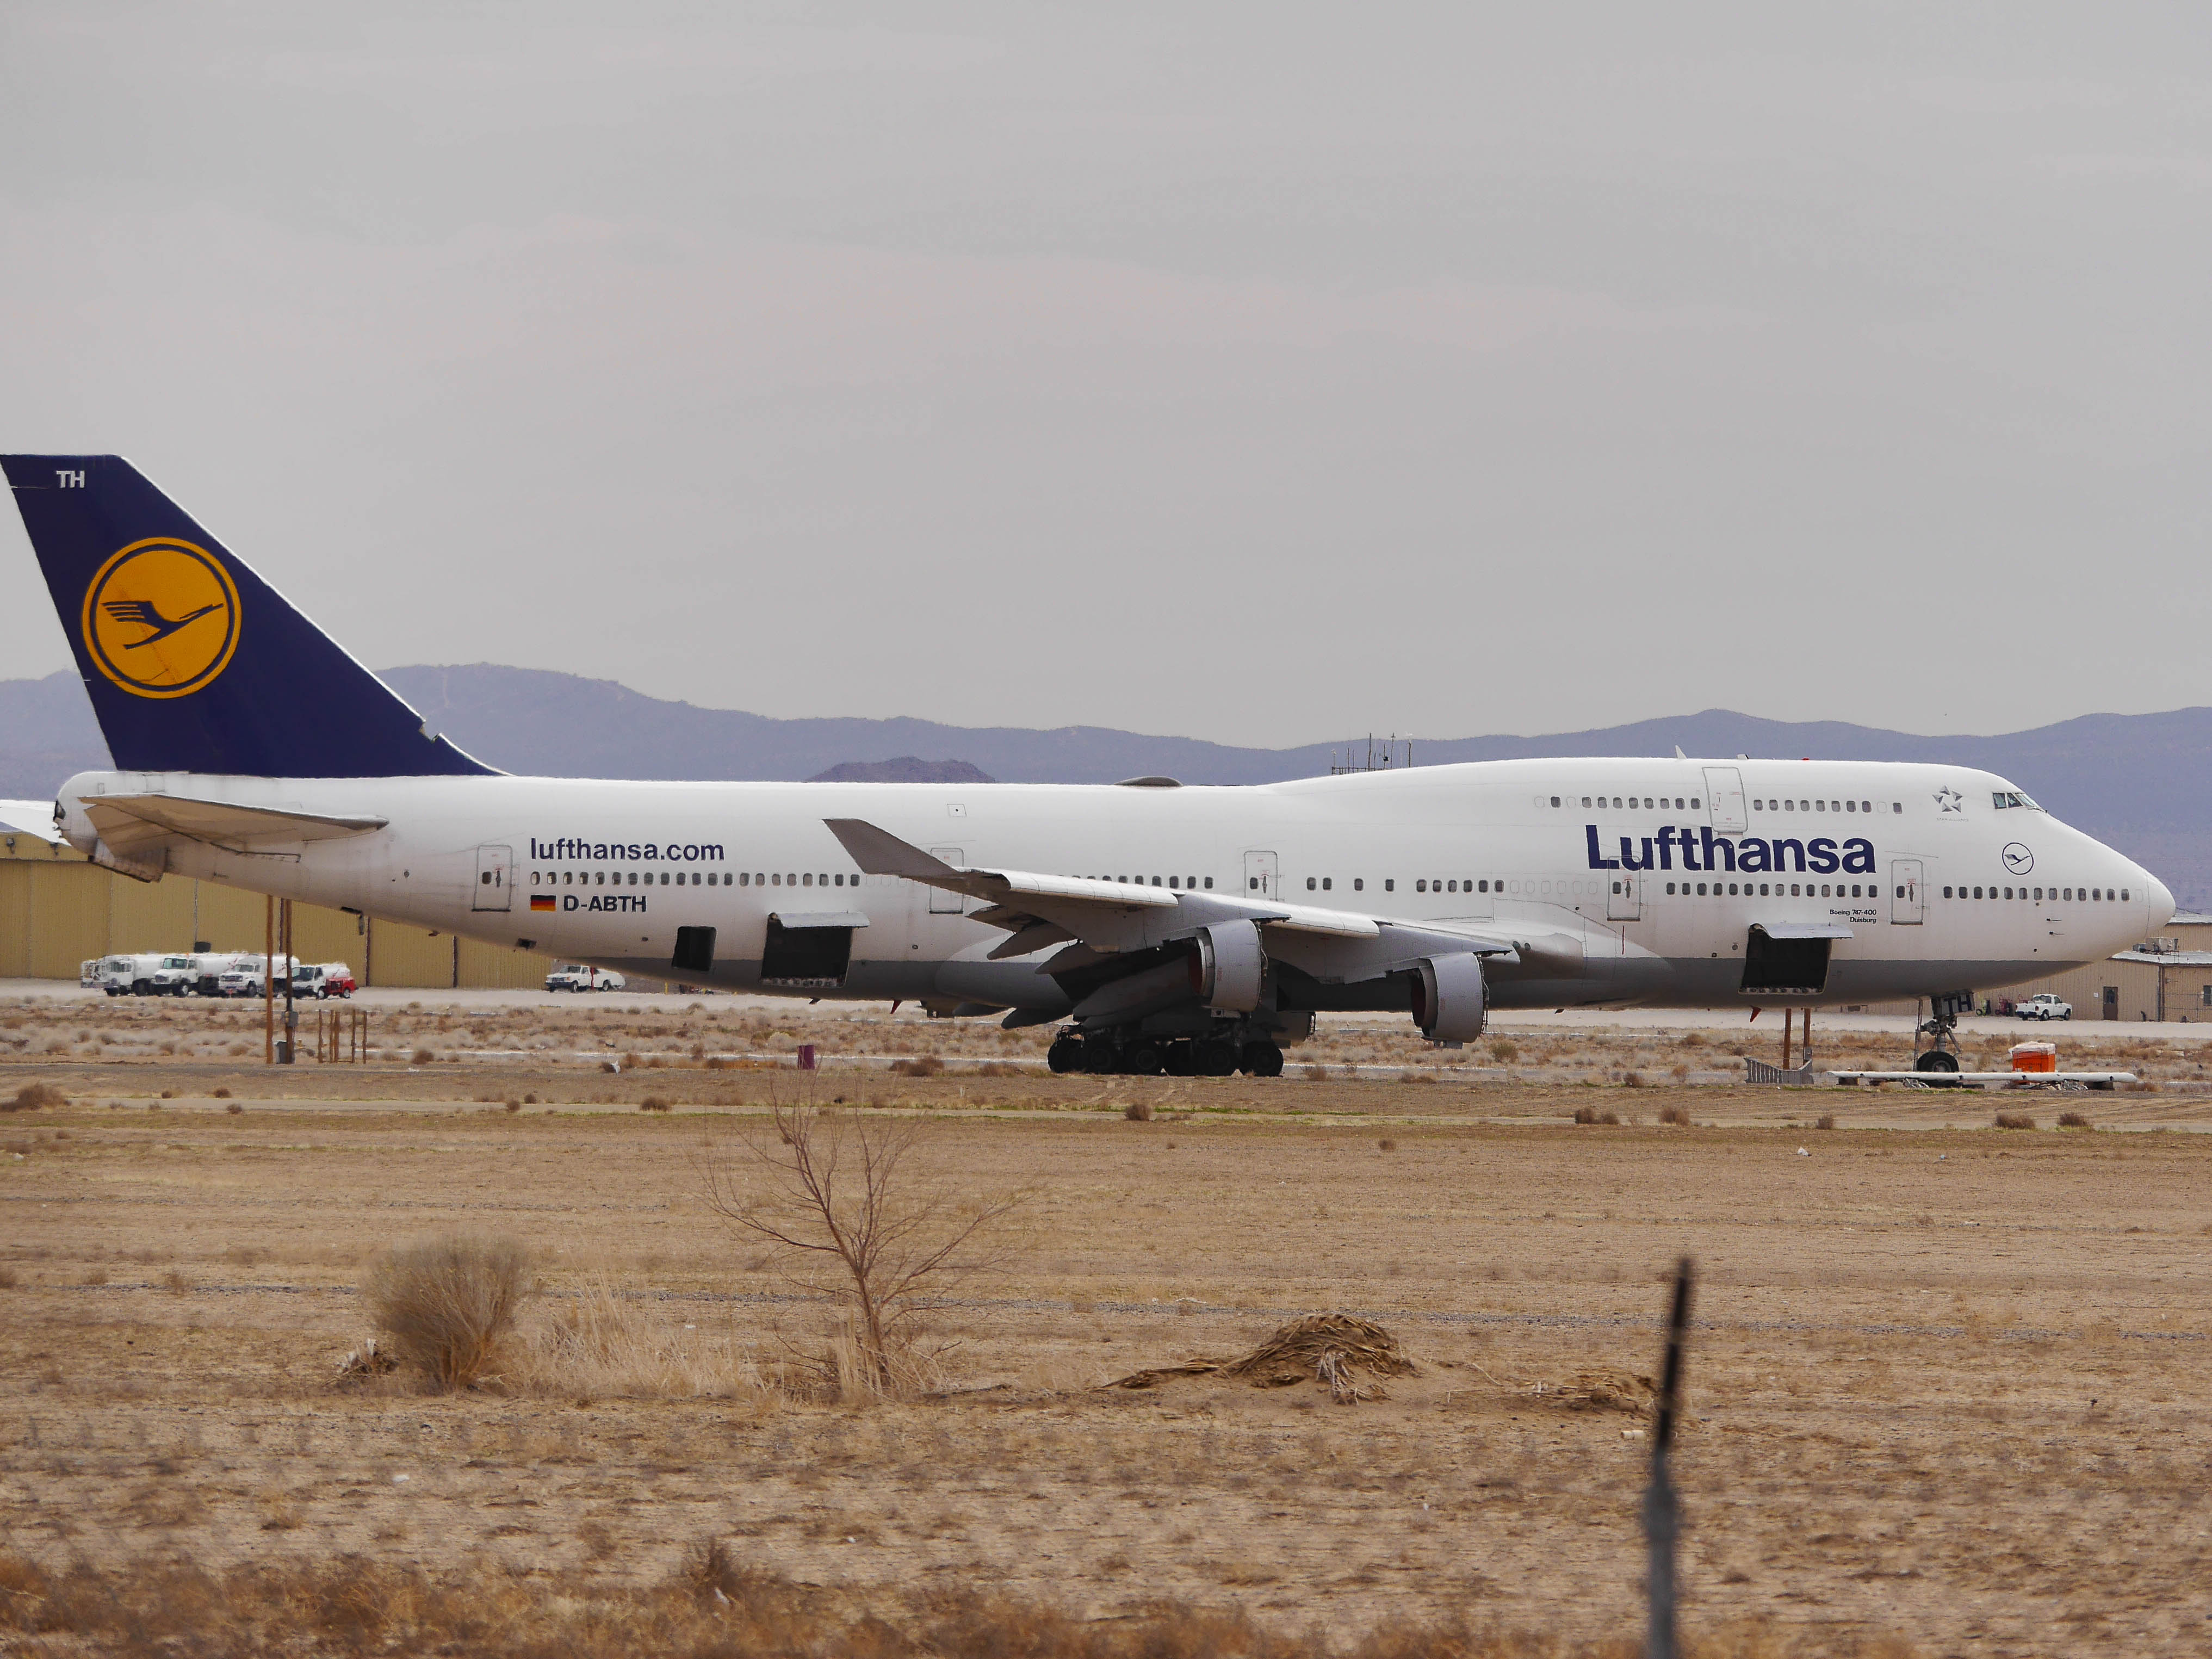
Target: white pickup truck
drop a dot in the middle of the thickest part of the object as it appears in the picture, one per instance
(582, 976)
(2043, 1005)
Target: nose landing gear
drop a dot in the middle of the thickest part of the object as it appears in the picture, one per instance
(1940, 1027)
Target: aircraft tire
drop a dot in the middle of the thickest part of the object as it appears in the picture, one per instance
(1146, 1058)
(1215, 1057)
(1263, 1060)
(1183, 1057)
(1936, 1060)
(1065, 1055)
(1100, 1057)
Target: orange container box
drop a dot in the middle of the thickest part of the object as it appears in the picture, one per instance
(2035, 1057)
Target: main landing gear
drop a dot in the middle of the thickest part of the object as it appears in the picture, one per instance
(1108, 1053)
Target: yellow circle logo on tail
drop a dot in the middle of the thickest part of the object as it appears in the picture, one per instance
(161, 618)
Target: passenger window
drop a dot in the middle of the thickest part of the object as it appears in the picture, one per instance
(1359, 883)
(1420, 887)
(1701, 890)
(790, 879)
(1670, 889)
(1326, 882)
(1312, 882)
(1555, 801)
(1897, 806)
(2123, 894)
(1209, 884)
(1850, 806)
(1175, 881)
(1794, 892)
(1390, 885)
(1616, 801)
(1586, 800)
(1762, 889)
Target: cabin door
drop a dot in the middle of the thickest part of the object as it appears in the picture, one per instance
(1908, 892)
(1263, 875)
(1626, 901)
(1724, 795)
(943, 901)
(495, 880)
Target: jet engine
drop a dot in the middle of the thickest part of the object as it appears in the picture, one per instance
(1449, 1001)
(1227, 969)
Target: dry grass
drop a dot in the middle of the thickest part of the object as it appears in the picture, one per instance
(446, 1304)
(609, 1341)
(1137, 1111)
(717, 1605)
(1597, 1114)
(1678, 1116)
(2075, 1121)
(2014, 1121)
(925, 1066)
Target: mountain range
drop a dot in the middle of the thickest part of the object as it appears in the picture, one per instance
(2141, 782)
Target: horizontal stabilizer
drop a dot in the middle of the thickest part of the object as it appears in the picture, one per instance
(30, 817)
(133, 824)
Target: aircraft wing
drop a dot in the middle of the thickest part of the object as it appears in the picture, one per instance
(1038, 909)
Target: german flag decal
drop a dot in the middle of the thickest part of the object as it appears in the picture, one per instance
(541, 900)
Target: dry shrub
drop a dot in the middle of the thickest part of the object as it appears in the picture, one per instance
(2075, 1121)
(514, 1105)
(222, 1094)
(610, 1342)
(1827, 1121)
(34, 1097)
(998, 1068)
(1595, 1115)
(1505, 1050)
(1677, 1115)
(2014, 1121)
(654, 1103)
(1317, 1073)
(1632, 1081)
(235, 1108)
(846, 1200)
(422, 1057)
(1387, 1145)
(927, 1066)
(446, 1304)
(1137, 1111)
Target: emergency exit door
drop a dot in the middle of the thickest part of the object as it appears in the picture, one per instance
(495, 880)
(1262, 876)
(1908, 892)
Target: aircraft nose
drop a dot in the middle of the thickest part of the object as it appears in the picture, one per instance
(2160, 897)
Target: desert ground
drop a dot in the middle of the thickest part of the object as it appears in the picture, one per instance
(1944, 1395)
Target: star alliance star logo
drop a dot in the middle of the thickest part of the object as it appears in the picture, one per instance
(1950, 799)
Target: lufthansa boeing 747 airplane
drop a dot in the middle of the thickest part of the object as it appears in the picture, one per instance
(1169, 927)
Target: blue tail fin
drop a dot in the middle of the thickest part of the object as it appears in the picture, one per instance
(193, 662)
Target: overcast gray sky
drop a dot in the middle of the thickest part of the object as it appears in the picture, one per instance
(1257, 373)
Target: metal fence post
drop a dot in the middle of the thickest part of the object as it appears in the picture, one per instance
(1662, 1512)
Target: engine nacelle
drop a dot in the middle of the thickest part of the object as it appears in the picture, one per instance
(1228, 968)
(1449, 1001)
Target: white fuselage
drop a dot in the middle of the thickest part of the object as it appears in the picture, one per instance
(606, 872)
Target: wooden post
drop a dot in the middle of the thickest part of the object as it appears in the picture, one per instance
(1663, 1514)
(1806, 1038)
(269, 981)
(1787, 1014)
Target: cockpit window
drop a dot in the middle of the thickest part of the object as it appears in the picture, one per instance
(2003, 798)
